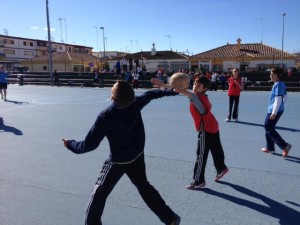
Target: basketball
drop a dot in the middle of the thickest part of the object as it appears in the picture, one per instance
(180, 81)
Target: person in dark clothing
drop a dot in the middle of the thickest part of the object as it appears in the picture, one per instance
(56, 78)
(121, 123)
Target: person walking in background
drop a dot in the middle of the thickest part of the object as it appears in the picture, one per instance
(118, 67)
(277, 99)
(56, 78)
(3, 83)
(135, 79)
(122, 124)
(235, 87)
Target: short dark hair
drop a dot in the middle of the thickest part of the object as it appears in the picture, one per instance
(124, 93)
(203, 80)
(278, 71)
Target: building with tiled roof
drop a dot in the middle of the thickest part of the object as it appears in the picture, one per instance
(247, 57)
(14, 50)
(154, 60)
(63, 61)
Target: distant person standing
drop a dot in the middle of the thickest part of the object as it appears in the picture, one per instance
(234, 90)
(124, 65)
(275, 110)
(118, 67)
(3, 83)
(135, 80)
(56, 78)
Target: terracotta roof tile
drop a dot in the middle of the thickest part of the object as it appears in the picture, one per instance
(246, 50)
(62, 56)
(160, 55)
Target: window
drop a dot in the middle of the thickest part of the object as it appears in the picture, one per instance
(45, 68)
(31, 43)
(28, 53)
(9, 52)
(24, 43)
(9, 41)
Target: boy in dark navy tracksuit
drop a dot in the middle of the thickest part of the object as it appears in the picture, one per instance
(121, 123)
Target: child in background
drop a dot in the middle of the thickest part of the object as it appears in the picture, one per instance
(235, 86)
(275, 110)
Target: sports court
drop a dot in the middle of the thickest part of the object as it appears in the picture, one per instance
(42, 183)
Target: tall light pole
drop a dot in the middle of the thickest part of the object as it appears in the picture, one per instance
(61, 39)
(102, 28)
(262, 29)
(169, 36)
(283, 15)
(49, 45)
(97, 40)
(65, 29)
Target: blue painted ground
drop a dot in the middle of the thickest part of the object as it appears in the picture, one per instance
(42, 183)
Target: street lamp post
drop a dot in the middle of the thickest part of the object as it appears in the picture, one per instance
(97, 39)
(169, 36)
(65, 20)
(102, 28)
(49, 45)
(283, 15)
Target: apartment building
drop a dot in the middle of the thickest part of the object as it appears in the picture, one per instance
(14, 50)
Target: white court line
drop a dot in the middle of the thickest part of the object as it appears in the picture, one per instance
(41, 102)
(66, 100)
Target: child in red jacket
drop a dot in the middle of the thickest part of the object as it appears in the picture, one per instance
(208, 133)
(235, 86)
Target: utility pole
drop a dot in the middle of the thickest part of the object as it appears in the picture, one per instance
(49, 45)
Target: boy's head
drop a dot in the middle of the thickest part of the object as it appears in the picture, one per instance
(122, 93)
(201, 84)
(276, 74)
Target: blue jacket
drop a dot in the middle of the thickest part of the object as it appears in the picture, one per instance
(123, 127)
(3, 76)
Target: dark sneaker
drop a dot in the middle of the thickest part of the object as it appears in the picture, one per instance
(176, 220)
(267, 151)
(286, 150)
(196, 185)
(221, 174)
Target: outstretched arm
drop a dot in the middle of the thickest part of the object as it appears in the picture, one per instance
(159, 83)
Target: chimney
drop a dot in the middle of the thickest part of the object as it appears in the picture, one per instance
(153, 50)
(238, 44)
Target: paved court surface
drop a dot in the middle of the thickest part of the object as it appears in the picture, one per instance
(42, 183)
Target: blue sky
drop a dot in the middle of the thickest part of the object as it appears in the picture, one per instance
(191, 26)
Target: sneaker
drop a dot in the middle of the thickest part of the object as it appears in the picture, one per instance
(220, 175)
(196, 185)
(236, 120)
(267, 151)
(286, 150)
(176, 220)
(1, 96)
(227, 120)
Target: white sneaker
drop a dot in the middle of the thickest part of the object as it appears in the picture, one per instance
(227, 120)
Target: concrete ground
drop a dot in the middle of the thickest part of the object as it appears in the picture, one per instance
(42, 183)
